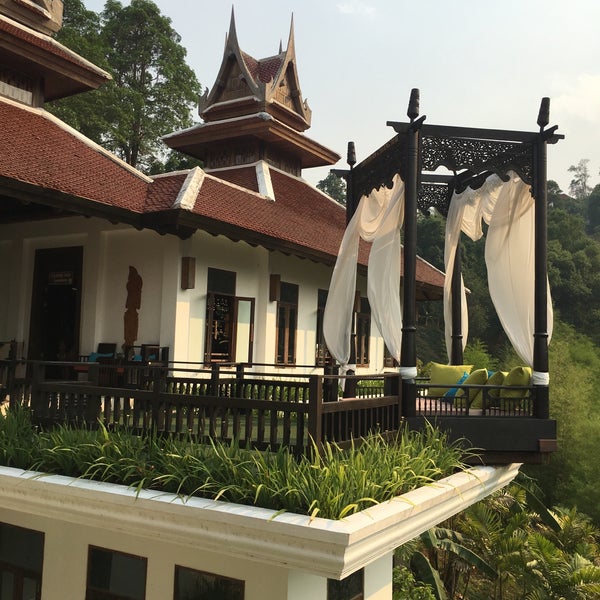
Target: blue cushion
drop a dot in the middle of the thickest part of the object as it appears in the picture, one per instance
(452, 391)
(94, 356)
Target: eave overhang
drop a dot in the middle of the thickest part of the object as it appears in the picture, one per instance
(198, 140)
(62, 72)
(63, 204)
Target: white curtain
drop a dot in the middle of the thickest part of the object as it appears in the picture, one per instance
(510, 260)
(466, 213)
(377, 219)
(509, 209)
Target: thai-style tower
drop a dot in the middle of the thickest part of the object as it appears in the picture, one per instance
(254, 112)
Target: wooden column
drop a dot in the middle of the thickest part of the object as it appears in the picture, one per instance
(540, 192)
(408, 358)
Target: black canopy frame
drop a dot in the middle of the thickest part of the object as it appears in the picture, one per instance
(472, 155)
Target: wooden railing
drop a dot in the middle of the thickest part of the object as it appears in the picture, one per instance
(269, 409)
(256, 409)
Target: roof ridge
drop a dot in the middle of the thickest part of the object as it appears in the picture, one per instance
(188, 193)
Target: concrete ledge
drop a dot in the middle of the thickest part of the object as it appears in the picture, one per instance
(322, 547)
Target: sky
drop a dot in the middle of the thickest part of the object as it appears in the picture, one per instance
(477, 63)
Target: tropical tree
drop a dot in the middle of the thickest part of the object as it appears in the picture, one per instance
(153, 90)
(335, 186)
(579, 186)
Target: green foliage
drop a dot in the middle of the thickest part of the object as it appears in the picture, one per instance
(153, 90)
(406, 587)
(572, 475)
(332, 483)
(593, 213)
(509, 547)
(476, 353)
(335, 186)
(579, 186)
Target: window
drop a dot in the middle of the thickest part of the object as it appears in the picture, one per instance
(229, 320)
(198, 585)
(363, 333)
(322, 357)
(350, 588)
(287, 323)
(21, 560)
(115, 576)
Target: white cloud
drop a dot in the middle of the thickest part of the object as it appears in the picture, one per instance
(356, 7)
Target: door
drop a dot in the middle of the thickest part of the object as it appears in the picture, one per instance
(229, 328)
(56, 304)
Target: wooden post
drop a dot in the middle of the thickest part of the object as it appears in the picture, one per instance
(214, 379)
(540, 341)
(315, 410)
(239, 379)
(408, 358)
(11, 375)
(456, 352)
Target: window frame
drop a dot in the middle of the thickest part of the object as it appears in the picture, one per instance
(96, 593)
(288, 330)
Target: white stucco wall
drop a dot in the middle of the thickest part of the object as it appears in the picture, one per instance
(168, 315)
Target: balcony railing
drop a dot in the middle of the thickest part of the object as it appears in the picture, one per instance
(262, 409)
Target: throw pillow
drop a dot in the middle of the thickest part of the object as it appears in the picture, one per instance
(445, 375)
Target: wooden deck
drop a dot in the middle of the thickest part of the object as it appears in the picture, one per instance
(271, 409)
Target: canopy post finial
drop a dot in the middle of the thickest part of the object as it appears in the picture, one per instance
(544, 113)
(413, 104)
(351, 154)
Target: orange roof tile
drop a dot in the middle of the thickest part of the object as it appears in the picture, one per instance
(39, 150)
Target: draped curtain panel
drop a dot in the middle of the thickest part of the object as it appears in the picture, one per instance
(377, 219)
(509, 210)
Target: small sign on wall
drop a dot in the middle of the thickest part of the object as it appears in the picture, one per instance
(60, 278)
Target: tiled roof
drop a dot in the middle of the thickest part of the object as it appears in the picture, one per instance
(269, 68)
(164, 190)
(244, 177)
(39, 150)
(300, 217)
(47, 44)
(264, 69)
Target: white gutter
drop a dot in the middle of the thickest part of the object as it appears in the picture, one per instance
(324, 547)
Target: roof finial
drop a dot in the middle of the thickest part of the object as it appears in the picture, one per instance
(232, 32)
(280, 47)
(291, 36)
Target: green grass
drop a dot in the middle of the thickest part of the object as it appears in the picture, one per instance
(331, 484)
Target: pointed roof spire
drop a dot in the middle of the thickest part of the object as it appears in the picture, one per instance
(290, 45)
(280, 47)
(232, 32)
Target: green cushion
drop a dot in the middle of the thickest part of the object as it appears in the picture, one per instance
(516, 377)
(496, 378)
(477, 377)
(445, 375)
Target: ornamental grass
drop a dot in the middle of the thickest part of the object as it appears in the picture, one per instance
(331, 483)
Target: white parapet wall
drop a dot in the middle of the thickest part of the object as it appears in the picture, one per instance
(278, 556)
